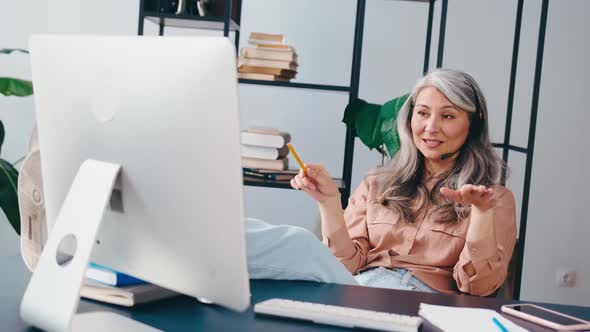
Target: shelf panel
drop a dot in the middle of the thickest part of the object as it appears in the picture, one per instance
(280, 184)
(190, 21)
(412, 0)
(297, 85)
(511, 147)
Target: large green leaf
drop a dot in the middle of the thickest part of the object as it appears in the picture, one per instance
(388, 125)
(366, 126)
(15, 87)
(8, 194)
(374, 124)
(362, 116)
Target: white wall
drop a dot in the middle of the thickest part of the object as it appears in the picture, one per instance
(478, 40)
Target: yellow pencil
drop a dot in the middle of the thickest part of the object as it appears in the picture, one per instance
(297, 157)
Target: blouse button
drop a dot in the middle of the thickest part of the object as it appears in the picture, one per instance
(373, 219)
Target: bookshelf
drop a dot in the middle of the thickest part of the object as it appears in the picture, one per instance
(189, 21)
(229, 22)
(297, 85)
(279, 184)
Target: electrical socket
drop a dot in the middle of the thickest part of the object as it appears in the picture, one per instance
(565, 277)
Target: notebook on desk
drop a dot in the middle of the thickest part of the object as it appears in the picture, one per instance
(458, 319)
(127, 296)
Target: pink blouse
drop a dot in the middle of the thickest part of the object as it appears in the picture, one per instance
(436, 253)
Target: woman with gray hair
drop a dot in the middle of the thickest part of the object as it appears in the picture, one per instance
(434, 218)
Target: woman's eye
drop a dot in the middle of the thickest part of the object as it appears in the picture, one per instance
(448, 116)
(421, 113)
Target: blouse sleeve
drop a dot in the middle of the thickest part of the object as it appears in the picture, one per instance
(489, 257)
(350, 243)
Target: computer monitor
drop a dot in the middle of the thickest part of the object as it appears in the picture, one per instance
(140, 154)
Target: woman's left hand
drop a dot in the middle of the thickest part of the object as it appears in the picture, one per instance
(480, 197)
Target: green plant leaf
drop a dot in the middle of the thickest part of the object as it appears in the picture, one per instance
(351, 111)
(388, 123)
(15, 87)
(374, 124)
(9, 194)
(10, 50)
(362, 116)
(366, 126)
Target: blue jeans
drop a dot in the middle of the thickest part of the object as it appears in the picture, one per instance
(294, 253)
(395, 279)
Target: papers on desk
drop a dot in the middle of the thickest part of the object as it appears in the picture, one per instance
(465, 319)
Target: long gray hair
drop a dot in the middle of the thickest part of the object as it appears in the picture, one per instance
(401, 181)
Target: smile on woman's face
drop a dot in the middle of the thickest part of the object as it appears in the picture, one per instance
(438, 126)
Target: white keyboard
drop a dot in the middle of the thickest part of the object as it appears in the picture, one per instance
(338, 316)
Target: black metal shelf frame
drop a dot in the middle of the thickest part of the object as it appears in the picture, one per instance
(190, 21)
(297, 85)
(282, 184)
(224, 23)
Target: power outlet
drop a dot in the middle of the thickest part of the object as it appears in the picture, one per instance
(565, 277)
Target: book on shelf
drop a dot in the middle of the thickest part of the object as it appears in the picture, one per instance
(262, 152)
(267, 70)
(263, 77)
(268, 54)
(282, 171)
(277, 141)
(290, 65)
(277, 47)
(253, 173)
(127, 296)
(266, 38)
(278, 164)
(264, 130)
(111, 277)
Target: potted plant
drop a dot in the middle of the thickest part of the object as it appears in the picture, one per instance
(375, 124)
(8, 174)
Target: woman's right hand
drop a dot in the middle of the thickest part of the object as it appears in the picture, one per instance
(317, 183)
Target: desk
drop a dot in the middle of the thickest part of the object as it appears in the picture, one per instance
(183, 313)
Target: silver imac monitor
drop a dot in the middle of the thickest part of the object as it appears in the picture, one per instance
(140, 154)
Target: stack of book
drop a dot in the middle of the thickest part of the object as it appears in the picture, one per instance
(269, 59)
(110, 286)
(265, 148)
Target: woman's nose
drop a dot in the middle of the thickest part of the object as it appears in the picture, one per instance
(432, 124)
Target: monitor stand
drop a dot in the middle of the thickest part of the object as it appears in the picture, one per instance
(53, 293)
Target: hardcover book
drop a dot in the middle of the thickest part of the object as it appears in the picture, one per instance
(266, 140)
(110, 277)
(278, 164)
(251, 151)
(263, 77)
(127, 296)
(269, 54)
